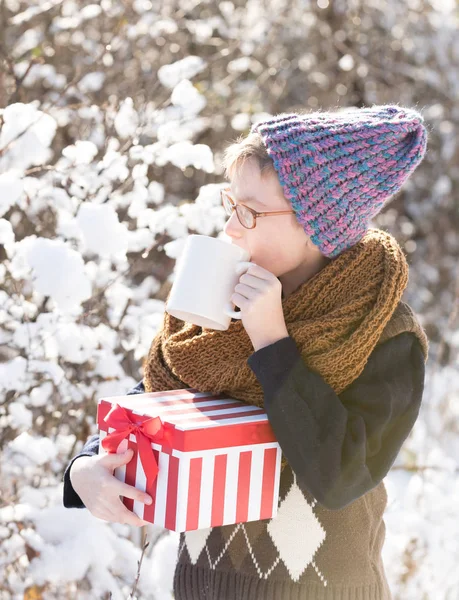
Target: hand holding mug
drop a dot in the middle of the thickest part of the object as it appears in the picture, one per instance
(259, 296)
(207, 271)
(240, 269)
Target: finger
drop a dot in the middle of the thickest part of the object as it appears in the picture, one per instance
(125, 516)
(129, 491)
(260, 272)
(249, 291)
(115, 460)
(239, 300)
(245, 290)
(252, 281)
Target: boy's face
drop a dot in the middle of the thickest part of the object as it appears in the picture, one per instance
(278, 243)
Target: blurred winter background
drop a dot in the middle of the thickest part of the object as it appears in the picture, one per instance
(113, 120)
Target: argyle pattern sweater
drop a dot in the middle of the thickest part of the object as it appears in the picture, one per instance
(326, 540)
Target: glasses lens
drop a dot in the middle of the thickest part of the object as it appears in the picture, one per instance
(227, 204)
(245, 216)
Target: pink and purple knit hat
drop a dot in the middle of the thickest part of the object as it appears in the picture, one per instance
(339, 168)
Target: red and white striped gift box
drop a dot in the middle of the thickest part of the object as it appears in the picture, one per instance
(206, 460)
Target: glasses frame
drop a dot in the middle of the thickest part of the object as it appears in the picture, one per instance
(254, 212)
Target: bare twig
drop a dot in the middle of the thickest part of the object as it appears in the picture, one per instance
(139, 565)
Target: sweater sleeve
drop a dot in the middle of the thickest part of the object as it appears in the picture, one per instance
(70, 498)
(341, 447)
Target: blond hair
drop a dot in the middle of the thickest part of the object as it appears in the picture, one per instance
(243, 148)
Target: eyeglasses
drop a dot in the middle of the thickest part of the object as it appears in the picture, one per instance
(247, 216)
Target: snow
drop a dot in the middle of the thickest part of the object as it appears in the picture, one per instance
(40, 394)
(11, 188)
(103, 234)
(28, 133)
(65, 283)
(171, 75)
(420, 516)
(12, 372)
(6, 236)
(188, 98)
(185, 153)
(127, 119)
(91, 82)
(81, 153)
(38, 450)
(40, 73)
(91, 190)
(20, 416)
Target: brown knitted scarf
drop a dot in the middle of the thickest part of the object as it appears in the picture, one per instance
(336, 318)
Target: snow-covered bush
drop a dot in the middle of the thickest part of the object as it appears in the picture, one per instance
(113, 118)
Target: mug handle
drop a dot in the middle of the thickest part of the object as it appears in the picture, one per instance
(240, 268)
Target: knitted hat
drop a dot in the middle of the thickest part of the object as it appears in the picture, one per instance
(338, 168)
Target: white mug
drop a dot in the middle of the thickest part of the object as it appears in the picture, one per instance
(208, 270)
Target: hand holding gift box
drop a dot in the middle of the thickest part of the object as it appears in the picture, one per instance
(205, 459)
(146, 431)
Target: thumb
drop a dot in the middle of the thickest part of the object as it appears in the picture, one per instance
(121, 458)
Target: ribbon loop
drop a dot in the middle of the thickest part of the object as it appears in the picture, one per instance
(146, 432)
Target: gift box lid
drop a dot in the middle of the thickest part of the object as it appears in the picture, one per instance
(185, 413)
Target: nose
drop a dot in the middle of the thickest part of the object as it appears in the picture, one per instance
(232, 226)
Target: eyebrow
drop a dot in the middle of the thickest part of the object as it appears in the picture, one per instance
(246, 199)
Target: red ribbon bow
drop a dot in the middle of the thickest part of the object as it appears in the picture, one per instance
(150, 430)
